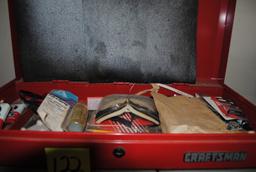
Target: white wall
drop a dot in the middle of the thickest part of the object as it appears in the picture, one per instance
(241, 68)
(7, 72)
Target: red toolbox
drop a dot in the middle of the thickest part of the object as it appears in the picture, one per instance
(142, 151)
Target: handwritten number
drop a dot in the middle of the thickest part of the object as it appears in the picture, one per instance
(78, 164)
(67, 161)
(55, 164)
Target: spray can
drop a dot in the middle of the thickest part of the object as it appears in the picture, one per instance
(4, 111)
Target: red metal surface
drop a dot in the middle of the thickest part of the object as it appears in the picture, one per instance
(15, 47)
(211, 29)
(84, 90)
(8, 92)
(248, 108)
(227, 36)
(144, 151)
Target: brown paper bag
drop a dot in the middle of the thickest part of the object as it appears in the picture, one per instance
(181, 114)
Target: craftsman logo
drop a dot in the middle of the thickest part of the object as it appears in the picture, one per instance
(192, 157)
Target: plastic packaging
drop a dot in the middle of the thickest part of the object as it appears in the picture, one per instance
(117, 104)
(76, 119)
(55, 107)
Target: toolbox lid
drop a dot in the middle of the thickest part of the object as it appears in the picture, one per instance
(120, 41)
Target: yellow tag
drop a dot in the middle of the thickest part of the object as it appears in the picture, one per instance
(68, 159)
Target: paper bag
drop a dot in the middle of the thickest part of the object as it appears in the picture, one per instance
(181, 114)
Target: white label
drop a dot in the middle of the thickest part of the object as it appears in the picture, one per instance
(93, 103)
(53, 111)
(68, 159)
(4, 110)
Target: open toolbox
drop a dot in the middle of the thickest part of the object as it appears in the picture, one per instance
(141, 151)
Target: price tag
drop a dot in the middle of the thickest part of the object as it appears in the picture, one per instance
(68, 159)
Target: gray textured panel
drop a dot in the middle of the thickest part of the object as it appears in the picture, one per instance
(107, 40)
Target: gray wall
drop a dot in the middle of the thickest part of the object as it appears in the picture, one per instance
(107, 41)
(7, 72)
(241, 69)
